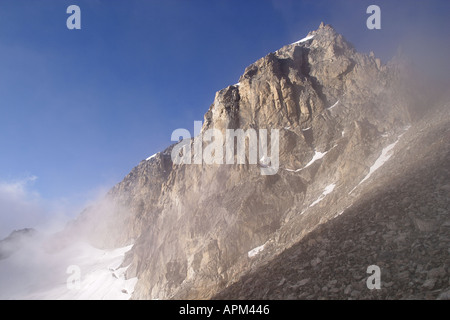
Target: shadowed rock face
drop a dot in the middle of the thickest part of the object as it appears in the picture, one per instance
(399, 222)
(193, 225)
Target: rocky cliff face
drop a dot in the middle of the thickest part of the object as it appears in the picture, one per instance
(398, 221)
(193, 226)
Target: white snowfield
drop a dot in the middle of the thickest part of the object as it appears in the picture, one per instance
(334, 105)
(101, 277)
(151, 157)
(303, 40)
(339, 213)
(76, 272)
(255, 251)
(292, 170)
(317, 156)
(328, 189)
(386, 153)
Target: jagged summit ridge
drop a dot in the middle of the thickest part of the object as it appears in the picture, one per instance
(299, 82)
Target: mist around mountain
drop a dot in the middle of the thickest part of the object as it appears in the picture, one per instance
(15, 241)
(360, 179)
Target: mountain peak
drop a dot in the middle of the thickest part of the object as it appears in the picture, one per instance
(306, 77)
(200, 227)
(325, 26)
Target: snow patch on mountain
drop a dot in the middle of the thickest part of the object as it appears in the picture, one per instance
(385, 155)
(328, 189)
(78, 271)
(255, 251)
(334, 105)
(304, 39)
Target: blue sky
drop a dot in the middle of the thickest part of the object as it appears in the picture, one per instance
(80, 108)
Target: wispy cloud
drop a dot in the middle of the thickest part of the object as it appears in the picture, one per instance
(37, 265)
(20, 205)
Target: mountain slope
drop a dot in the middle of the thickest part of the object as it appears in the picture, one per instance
(193, 226)
(400, 223)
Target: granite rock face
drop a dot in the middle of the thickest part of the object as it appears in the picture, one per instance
(398, 222)
(193, 225)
